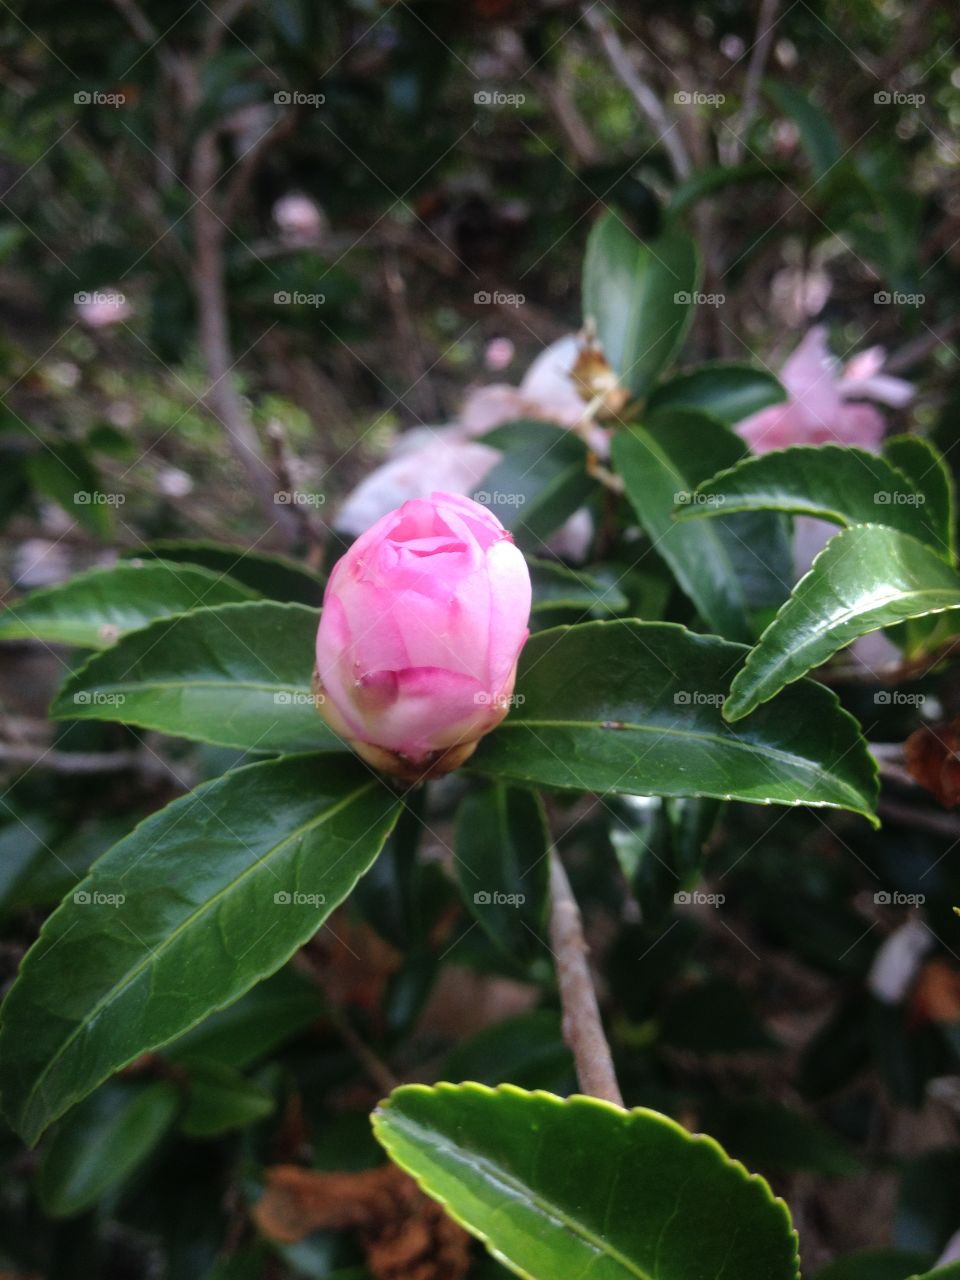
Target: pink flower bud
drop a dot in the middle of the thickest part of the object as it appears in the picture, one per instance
(423, 621)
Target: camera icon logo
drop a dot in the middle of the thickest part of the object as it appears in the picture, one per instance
(482, 898)
(282, 898)
(483, 98)
(682, 698)
(882, 898)
(883, 97)
(283, 97)
(82, 98)
(882, 498)
(683, 298)
(682, 98)
(882, 699)
(82, 498)
(682, 899)
(282, 297)
(82, 898)
(882, 299)
(482, 298)
(82, 698)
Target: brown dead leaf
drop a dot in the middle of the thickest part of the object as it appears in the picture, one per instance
(405, 1235)
(936, 995)
(932, 757)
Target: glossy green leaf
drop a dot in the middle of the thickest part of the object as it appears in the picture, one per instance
(102, 1141)
(927, 470)
(640, 296)
(559, 1189)
(713, 561)
(272, 576)
(634, 707)
(502, 865)
(220, 1099)
(538, 483)
(237, 676)
(659, 844)
(95, 608)
(832, 482)
(866, 577)
(184, 915)
(730, 392)
(555, 586)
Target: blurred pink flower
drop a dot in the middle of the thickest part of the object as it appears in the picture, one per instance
(824, 406)
(423, 621)
(452, 459)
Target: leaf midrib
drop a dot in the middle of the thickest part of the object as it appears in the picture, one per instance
(433, 1138)
(840, 620)
(154, 952)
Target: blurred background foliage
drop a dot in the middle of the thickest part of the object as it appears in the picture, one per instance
(180, 155)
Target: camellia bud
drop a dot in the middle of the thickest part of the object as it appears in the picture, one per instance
(423, 621)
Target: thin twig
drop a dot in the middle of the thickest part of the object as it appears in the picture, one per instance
(766, 21)
(645, 98)
(582, 1026)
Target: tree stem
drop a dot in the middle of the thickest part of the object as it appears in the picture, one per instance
(582, 1026)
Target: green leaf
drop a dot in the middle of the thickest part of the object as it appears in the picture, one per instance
(951, 1272)
(819, 140)
(878, 1264)
(502, 865)
(220, 1100)
(184, 915)
(774, 1137)
(639, 294)
(659, 844)
(729, 392)
(538, 483)
(101, 1143)
(927, 470)
(237, 676)
(704, 182)
(832, 482)
(274, 577)
(634, 707)
(661, 464)
(558, 1189)
(95, 608)
(65, 473)
(527, 1051)
(557, 587)
(865, 578)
